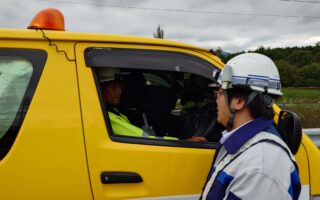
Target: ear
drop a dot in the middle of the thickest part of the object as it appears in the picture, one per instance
(237, 103)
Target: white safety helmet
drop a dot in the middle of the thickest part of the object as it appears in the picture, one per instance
(254, 70)
(107, 74)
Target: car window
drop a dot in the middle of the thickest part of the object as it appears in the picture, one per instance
(20, 71)
(159, 104)
(15, 74)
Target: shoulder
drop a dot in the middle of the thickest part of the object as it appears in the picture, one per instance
(266, 160)
(267, 156)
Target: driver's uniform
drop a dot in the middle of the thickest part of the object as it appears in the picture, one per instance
(121, 125)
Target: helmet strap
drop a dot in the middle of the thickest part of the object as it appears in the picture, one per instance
(251, 96)
(231, 119)
(265, 97)
(267, 100)
(232, 113)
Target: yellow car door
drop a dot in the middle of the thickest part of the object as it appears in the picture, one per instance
(125, 168)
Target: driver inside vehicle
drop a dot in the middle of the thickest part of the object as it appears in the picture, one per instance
(112, 88)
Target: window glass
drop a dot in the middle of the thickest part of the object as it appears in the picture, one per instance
(155, 97)
(15, 75)
(20, 71)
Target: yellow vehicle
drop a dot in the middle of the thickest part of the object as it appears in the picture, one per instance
(56, 140)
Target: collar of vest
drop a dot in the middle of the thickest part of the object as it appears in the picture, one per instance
(112, 109)
(243, 134)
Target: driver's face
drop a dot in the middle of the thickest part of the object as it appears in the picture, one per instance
(112, 93)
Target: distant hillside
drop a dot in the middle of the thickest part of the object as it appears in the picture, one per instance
(298, 66)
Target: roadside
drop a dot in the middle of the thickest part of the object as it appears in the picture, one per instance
(305, 102)
(314, 134)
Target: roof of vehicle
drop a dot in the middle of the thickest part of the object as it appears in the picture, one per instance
(89, 37)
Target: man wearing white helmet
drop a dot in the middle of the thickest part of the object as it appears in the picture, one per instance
(252, 161)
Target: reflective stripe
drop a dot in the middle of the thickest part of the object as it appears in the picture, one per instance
(229, 158)
(256, 81)
(175, 197)
(305, 192)
(145, 134)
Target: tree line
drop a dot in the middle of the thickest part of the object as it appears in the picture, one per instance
(298, 66)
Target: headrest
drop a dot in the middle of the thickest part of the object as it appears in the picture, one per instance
(159, 99)
(134, 92)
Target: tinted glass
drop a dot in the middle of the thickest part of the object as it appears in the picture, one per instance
(20, 71)
(15, 74)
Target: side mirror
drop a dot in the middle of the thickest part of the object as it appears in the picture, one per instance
(289, 128)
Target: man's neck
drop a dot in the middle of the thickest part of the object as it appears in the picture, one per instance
(241, 117)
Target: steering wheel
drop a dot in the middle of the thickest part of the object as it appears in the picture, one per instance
(203, 123)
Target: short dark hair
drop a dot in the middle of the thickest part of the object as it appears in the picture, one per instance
(258, 107)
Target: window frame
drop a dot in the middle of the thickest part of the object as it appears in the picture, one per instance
(37, 58)
(143, 140)
(95, 57)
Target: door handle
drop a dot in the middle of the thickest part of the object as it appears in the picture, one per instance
(120, 177)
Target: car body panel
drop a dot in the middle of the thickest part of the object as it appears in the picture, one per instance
(47, 159)
(63, 145)
(164, 170)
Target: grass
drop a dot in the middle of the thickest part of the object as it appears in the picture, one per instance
(300, 95)
(305, 102)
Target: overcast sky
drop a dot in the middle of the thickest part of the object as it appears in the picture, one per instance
(233, 25)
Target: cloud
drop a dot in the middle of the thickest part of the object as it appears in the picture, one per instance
(230, 24)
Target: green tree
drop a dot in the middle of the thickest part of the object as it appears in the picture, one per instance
(298, 66)
(159, 33)
(300, 58)
(288, 73)
(309, 75)
(219, 52)
(316, 57)
(230, 56)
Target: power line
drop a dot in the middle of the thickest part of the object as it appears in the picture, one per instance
(301, 1)
(180, 10)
